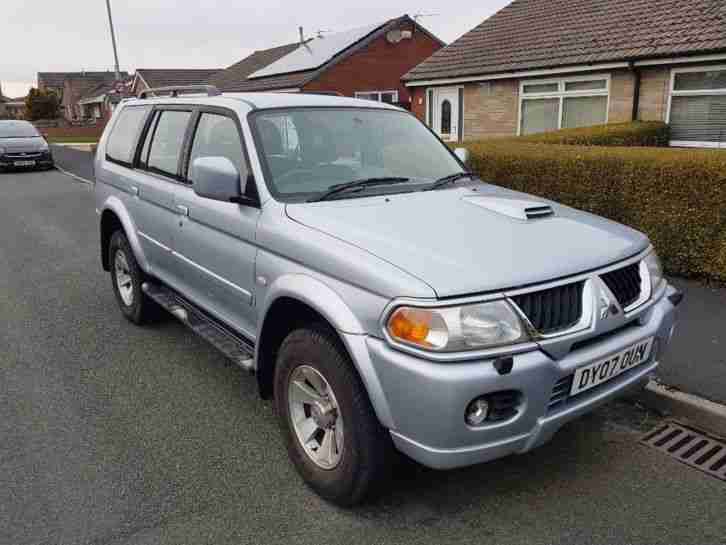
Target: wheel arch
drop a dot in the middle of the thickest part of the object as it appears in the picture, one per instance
(297, 300)
(114, 216)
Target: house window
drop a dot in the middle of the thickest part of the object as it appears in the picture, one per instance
(697, 114)
(390, 97)
(563, 104)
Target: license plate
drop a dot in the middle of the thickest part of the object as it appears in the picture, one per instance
(601, 371)
(24, 163)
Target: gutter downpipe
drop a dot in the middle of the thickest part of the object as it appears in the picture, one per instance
(636, 91)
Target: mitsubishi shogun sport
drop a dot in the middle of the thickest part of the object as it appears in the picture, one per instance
(384, 296)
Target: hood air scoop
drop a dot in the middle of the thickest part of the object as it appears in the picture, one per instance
(514, 208)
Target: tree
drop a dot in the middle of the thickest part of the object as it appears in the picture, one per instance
(41, 104)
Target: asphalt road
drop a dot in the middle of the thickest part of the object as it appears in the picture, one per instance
(75, 161)
(115, 434)
(696, 361)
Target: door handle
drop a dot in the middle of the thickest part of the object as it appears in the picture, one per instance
(134, 190)
(183, 210)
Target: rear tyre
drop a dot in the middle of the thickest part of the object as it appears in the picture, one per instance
(332, 434)
(127, 278)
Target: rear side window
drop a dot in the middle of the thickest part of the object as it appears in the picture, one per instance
(167, 141)
(122, 140)
(217, 136)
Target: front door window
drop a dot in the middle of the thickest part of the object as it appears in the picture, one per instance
(446, 117)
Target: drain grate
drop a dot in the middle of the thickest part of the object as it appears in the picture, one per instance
(690, 447)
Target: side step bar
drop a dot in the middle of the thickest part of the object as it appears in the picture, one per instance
(239, 350)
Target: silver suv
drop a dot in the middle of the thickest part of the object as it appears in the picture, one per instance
(386, 298)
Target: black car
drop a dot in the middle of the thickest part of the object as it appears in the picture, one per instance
(22, 146)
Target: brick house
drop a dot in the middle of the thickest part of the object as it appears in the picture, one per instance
(146, 78)
(13, 108)
(71, 86)
(365, 62)
(98, 103)
(540, 65)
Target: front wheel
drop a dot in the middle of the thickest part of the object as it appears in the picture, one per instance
(332, 434)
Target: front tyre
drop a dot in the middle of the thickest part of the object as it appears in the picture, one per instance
(332, 434)
(127, 278)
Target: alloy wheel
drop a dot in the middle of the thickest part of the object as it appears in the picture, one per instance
(315, 416)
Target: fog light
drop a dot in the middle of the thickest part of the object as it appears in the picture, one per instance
(477, 412)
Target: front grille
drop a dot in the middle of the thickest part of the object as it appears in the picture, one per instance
(503, 405)
(554, 309)
(560, 392)
(22, 156)
(625, 284)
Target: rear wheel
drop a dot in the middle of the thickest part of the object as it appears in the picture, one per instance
(127, 278)
(332, 434)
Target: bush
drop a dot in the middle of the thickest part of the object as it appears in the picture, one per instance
(676, 197)
(639, 133)
(41, 104)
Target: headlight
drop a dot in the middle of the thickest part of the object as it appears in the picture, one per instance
(655, 270)
(44, 146)
(2, 150)
(454, 329)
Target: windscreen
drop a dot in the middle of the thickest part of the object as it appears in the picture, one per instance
(17, 129)
(308, 150)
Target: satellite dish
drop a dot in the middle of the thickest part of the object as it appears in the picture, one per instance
(394, 36)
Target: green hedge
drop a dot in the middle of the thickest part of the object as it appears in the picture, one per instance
(677, 197)
(639, 133)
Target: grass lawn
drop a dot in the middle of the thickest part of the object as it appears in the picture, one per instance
(73, 139)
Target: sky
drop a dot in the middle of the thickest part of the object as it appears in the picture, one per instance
(73, 35)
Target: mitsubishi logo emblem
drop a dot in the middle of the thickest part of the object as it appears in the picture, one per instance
(606, 306)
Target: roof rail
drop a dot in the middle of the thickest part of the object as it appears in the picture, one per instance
(176, 90)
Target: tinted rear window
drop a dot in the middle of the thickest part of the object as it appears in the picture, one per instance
(167, 142)
(122, 140)
(17, 129)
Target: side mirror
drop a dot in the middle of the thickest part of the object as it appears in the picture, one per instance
(462, 154)
(216, 178)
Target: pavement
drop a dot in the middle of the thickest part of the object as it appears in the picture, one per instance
(116, 434)
(696, 360)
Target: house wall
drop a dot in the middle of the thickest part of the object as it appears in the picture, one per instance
(418, 102)
(378, 67)
(491, 109)
(622, 89)
(138, 86)
(654, 90)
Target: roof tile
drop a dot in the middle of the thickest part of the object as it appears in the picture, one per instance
(531, 34)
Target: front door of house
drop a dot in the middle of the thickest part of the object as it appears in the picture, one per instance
(446, 113)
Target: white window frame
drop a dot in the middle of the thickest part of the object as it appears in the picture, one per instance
(706, 92)
(358, 94)
(561, 94)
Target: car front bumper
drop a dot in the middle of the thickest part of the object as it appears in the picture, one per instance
(423, 402)
(41, 159)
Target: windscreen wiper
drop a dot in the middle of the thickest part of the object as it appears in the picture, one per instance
(359, 185)
(450, 179)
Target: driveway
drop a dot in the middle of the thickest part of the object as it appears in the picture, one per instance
(115, 434)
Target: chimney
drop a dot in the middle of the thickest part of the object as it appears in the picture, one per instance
(302, 36)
